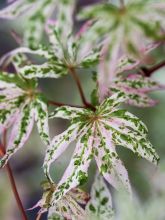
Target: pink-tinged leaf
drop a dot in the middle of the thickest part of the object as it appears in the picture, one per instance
(70, 209)
(58, 31)
(35, 25)
(58, 145)
(79, 195)
(7, 58)
(20, 133)
(139, 144)
(100, 204)
(84, 28)
(136, 89)
(76, 172)
(15, 9)
(113, 61)
(108, 161)
(65, 17)
(11, 93)
(97, 133)
(117, 165)
(112, 102)
(9, 107)
(129, 120)
(141, 101)
(4, 85)
(50, 28)
(67, 207)
(7, 116)
(107, 69)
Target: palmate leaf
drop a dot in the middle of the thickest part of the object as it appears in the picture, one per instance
(53, 68)
(115, 62)
(108, 161)
(58, 146)
(76, 172)
(132, 27)
(15, 55)
(66, 50)
(37, 20)
(100, 205)
(73, 50)
(97, 132)
(136, 88)
(37, 12)
(21, 105)
(68, 207)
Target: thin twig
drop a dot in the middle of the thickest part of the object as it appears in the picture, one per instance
(75, 77)
(73, 72)
(149, 71)
(50, 102)
(15, 191)
(11, 178)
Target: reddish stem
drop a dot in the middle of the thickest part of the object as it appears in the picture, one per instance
(50, 102)
(75, 77)
(73, 72)
(149, 71)
(15, 191)
(11, 178)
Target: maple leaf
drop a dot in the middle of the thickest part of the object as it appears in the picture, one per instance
(20, 106)
(65, 51)
(111, 75)
(68, 207)
(37, 13)
(130, 25)
(100, 204)
(136, 87)
(97, 133)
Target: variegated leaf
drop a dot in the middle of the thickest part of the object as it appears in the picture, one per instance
(100, 205)
(109, 162)
(76, 173)
(41, 118)
(40, 51)
(142, 25)
(97, 132)
(124, 136)
(112, 102)
(46, 70)
(67, 112)
(20, 133)
(68, 207)
(129, 120)
(36, 11)
(36, 22)
(136, 89)
(16, 9)
(58, 146)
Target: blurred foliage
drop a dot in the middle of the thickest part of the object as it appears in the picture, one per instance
(26, 164)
